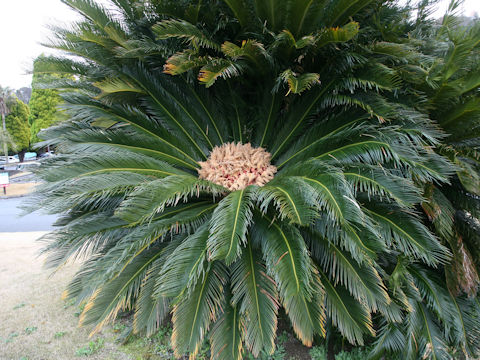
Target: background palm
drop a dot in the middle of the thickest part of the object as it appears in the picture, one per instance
(7, 100)
(454, 104)
(334, 238)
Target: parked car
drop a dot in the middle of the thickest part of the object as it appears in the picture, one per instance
(47, 154)
(28, 166)
(11, 159)
(29, 156)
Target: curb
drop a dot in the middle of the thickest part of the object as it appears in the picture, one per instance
(13, 197)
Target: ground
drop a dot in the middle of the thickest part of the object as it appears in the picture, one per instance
(35, 324)
(16, 190)
(21, 183)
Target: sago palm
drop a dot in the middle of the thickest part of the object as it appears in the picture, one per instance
(440, 81)
(224, 160)
(454, 101)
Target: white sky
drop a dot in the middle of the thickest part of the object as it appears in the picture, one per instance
(22, 29)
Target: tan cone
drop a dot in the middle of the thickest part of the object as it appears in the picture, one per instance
(235, 166)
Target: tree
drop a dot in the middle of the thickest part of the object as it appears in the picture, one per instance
(24, 94)
(6, 100)
(43, 103)
(18, 127)
(223, 160)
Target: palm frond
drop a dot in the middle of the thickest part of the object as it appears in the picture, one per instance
(229, 225)
(184, 267)
(254, 294)
(298, 83)
(225, 337)
(194, 313)
(351, 318)
(119, 293)
(408, 234)
(182, 29)
(152, 198)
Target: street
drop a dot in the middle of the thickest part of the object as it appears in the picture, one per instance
(10, 220)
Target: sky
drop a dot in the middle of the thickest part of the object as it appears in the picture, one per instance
(23, 27)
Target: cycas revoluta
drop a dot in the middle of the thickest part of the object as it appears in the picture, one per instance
(333, 234)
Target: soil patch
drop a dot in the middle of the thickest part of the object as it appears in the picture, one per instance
(17, 189)
(35, 324)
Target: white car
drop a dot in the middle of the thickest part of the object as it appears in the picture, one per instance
(28, 166)
(11, 159)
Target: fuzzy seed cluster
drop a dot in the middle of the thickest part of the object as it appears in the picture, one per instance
(235, 166)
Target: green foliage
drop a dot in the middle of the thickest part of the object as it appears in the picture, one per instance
(19, 306)
(43, 103)
(18, 126)
(31, 329)
(92, 348)
(7, 101)
(11, 337)
(337, 239)
(318, 353)
(355, 354)
(59, 334)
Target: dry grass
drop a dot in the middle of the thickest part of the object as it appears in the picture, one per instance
(17, 189)
(32, 312)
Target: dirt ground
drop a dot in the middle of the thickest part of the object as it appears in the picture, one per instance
(35, 324)
(17, 189)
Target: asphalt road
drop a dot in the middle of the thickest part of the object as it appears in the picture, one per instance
(10, 220)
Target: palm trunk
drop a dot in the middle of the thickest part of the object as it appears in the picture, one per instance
(5, 148)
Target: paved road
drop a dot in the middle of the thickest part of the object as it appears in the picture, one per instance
(10, 220)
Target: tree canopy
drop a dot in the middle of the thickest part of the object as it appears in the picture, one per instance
(18, 126)
(43, 103)
(7, 99)
(24, 94)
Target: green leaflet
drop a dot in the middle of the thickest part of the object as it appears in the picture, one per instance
(184, 267)
(226, 335)
(351, 318)
(285, 254)
(196, 310)
(229, 225)
(254, 294)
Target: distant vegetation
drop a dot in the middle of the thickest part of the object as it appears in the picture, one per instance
(18, 126)
(43, 103)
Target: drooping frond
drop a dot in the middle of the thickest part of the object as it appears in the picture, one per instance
(184, 267)
(150, 310)
(254, 295)
(362, 281)
(408, 233)
(285, 255)
(119, 293)
(298, 83)
(226, 335)
(194, 313)
(229, 225)
(182, 29)
(351, 318)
